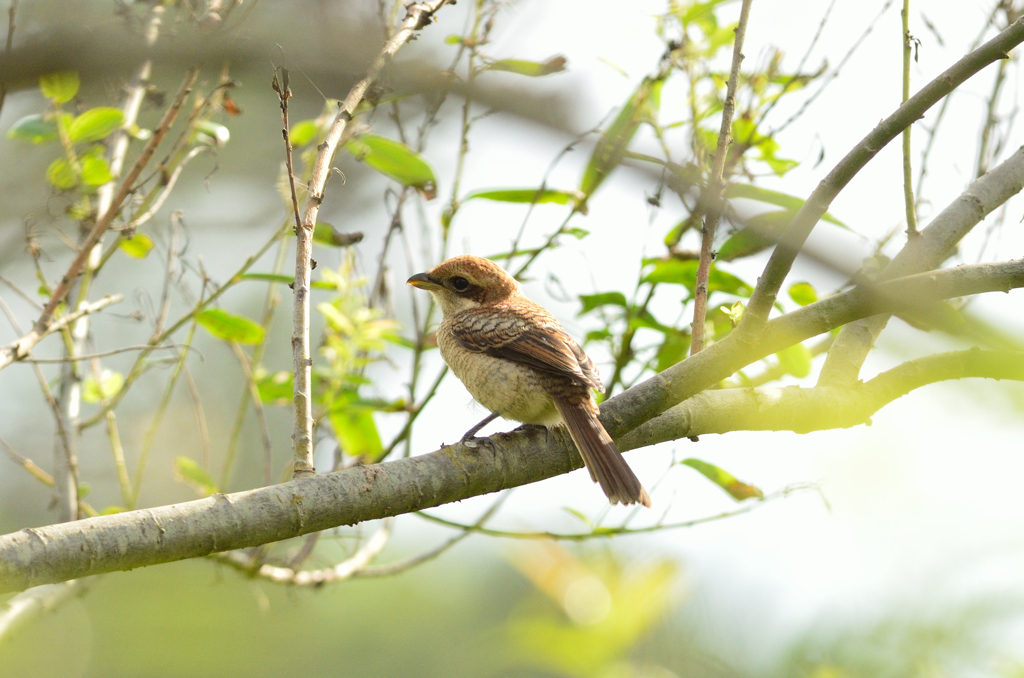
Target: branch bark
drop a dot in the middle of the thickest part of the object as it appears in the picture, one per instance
(221, 522)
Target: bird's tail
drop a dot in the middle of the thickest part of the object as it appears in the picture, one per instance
(604, 461)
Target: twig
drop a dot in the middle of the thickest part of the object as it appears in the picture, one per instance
(712, 197)
(343, 570)
(21, 348)
(7, 49)
(102, 354)
(391, 569)
(609, 532)
(909, 203)
(28, 606)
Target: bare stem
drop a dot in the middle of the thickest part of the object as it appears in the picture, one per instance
(417, 17)
(908, 175)
(715, 184)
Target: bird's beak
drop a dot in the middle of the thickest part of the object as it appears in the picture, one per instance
(423, 281)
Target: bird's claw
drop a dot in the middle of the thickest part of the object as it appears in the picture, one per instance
(473, 443)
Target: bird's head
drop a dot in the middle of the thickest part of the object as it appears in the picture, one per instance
(466, 282)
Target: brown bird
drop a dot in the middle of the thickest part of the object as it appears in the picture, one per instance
(518, 362)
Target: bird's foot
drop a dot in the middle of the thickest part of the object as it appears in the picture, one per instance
(472, 442)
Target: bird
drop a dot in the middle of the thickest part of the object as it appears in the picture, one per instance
(519, 363)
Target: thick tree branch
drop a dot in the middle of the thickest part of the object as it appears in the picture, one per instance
(821, 408)
(793, 239)
(133, 539)
(750, 343)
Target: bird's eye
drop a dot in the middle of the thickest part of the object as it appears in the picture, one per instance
(460, 284)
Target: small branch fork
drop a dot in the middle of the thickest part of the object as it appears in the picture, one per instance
(713, 197)
(785, 253)
(417, 17)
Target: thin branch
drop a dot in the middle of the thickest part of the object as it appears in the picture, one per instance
(908, 175)
(609, 532)
(343, 570)
(417, 17)
(20, 349)
(102, 354)
(27, 607)
(713, 196)
(391, 569)
(7, 48)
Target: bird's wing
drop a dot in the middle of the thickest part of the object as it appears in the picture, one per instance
(529, 336)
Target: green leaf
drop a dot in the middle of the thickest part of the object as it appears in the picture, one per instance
(303, 132)
(790, 202)
(796, 360)
(525, 195)
(725, 480)
(95, 170)
(453, 39)
(138, 247)
(190, 472)
(532, 69)
(61, 175)
(276, 388)
(761, 232)
(326, 234)
(396, 160)
(95, 124)
(36, 129)
(356, 431)
(211, 133)
(61, 86)
(228, 327)
(107, 386)
(594, 301)
(111, 510)
(643, 105)
(803, 293)
(672, 350)
(684, 272)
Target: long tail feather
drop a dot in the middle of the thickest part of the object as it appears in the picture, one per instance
(600, 455)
